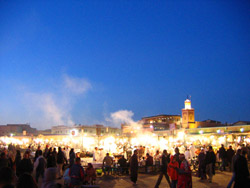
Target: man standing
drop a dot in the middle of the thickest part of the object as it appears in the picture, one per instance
(210, 160)
(241, 171)
(134, 167)
(60, 161)
(108, 163)
(230, 154)
(223, 157)
(39, 165)
(202, 165)
(165, 159)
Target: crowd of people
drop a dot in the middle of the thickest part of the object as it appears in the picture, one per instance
(23, 169)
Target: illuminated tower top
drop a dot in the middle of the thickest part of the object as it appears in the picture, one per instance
(187, 104)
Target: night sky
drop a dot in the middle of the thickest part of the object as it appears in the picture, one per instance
(67, 62)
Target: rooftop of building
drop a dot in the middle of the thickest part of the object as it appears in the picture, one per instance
(160, 116)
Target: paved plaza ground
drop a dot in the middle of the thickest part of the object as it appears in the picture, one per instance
(220, 180)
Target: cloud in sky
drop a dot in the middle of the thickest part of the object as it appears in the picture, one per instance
(55, 108)
(122, 116)
(76, 85)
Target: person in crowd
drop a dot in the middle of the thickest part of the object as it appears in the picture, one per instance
(39, 165)
(46, 151)
(157, 158)
(66, 178)
(210, 160)
(236, 156)
(7, 177)
(177, 153)
(165, 158)
(134, 167)
(11, 158)
(184, 173)
(230, 154)
(4, 162)
(107, 163)
(149, 160)
(18, 158)
(241, 171)
(25, 166)
(123, 164)
(187, 154)
(76, 173)
(192, 151)
(60, 161)
(143, 161)
(223, 157)
(202, 165)
(172, 171)
(28, 150)
(49, 180)
(37, 153)
(26, 181)
(90, 174)
(51, 159)
(72, 157)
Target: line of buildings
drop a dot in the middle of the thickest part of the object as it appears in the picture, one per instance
(161, 125)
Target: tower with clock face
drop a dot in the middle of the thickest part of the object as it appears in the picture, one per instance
(188, 120)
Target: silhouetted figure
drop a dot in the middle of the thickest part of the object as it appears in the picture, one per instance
(210, 160)
(134, 167)
(241, 171)
(72, 157)
(26, 181)
(164, 167)
(7, 177)
(25, 166)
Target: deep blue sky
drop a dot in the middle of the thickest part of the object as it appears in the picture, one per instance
(140, 56)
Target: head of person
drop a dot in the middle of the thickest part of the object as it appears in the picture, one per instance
(40, 152)
(210, 148)
(165, 152)
(107, 154)
(157, 152)
(230, 147)
(96, 148)
(243, 152)
(222, 145)
(147, 154)
(181, 157)
(3, 155)
(39, 147)
(78, 160)
(176, 150)
(202, 150)
(18, 153)
(238, 152)
(90, 165)
(26, 155)
(173, 159)
(7, 176)
(26, 180)
(135, 152)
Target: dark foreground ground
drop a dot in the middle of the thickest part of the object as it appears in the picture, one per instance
(220, 180)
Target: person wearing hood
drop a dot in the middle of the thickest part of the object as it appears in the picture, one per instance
(39, 165)
(49, 180)
(172, 172)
